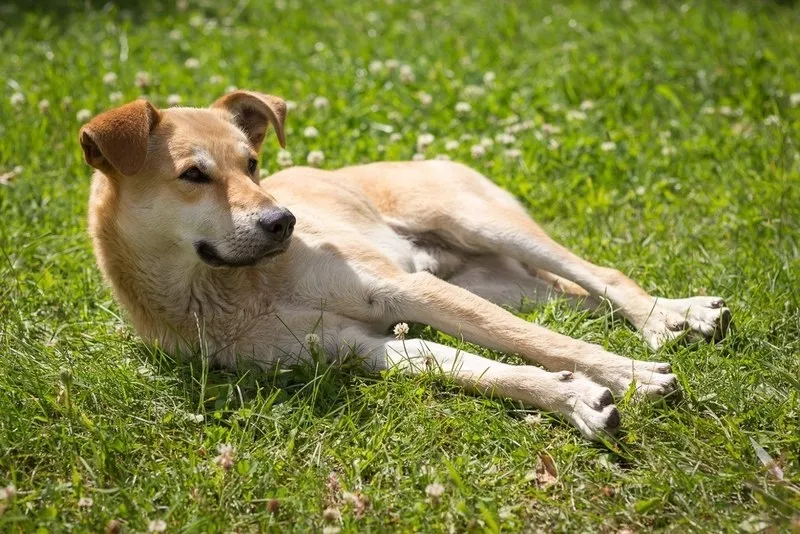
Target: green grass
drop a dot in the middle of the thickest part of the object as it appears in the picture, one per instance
(699, 194)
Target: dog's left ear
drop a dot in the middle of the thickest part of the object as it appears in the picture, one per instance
(254, 112)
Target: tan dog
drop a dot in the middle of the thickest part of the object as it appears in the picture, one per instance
(199, 253)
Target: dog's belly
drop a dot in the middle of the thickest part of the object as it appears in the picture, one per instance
(414, 255)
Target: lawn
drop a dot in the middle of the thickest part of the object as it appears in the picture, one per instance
(661, 139)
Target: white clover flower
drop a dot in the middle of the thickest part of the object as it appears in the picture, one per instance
(231, 88)
(158, 525)
(173, 100)
(312, 340)
(466, 137)
(772, 120)
(192, 63)
(392, 64)
(44, 106)
(424, 140)
(375, 66)
(290, 105)
(553, 144)
(489, 78)
(395, 137)
(472, 92)
(395, 116)
(668, 150)
(176, 35)
(83, 115)
(505, 139)
(477, 151)
(462, 108)
(434, 491)
(424, 98)
(315, 158)
(195, 417)
(442, 157)
(513, 153)
(533, 419)
(407, 74)
(331, 529)
(216, 79)
(575, 115)
(708, 110)
(321, 102)
(519, 127)
(725, 111)
(311, 132)
(418, 157)
(608, 146)
(451, 145)
(142, 79)
(400, 330)
(549, 129)
(486, 142)
(66, 102)
(110, 78)
(17, 99)
(85, 502)
(586, 105)
(284, 158)
(116, 96)
(794, 99)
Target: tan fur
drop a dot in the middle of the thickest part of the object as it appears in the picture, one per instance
(429, 242)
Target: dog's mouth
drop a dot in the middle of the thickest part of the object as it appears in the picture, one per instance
(209, 254)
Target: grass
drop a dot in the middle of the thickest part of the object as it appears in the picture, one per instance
(699, 193)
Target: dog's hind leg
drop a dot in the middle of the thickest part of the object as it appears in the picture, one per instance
(506, 282)
(482, 220)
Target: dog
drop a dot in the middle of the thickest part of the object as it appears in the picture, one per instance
(203, 257)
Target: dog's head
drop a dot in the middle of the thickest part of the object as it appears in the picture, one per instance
(189, 177)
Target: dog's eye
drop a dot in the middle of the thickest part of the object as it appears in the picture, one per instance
(252, 165)
(195, 175)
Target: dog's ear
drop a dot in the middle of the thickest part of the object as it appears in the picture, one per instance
(254, 112)
(117, 139)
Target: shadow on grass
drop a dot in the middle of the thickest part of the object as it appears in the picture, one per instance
(322, 386)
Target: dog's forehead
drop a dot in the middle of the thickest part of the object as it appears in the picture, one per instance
(203, 132)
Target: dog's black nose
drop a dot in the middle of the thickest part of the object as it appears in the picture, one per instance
(278, 223)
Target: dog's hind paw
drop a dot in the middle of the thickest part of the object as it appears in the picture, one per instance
(696, 318)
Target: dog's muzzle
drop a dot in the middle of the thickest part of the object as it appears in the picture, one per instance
(277, 226)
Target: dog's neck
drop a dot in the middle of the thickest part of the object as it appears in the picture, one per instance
(171, 299)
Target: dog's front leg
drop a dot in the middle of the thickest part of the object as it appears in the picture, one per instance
(423, 298)
(584, 403)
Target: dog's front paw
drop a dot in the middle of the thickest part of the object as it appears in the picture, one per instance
(651, 380)
(589, 406)
(696, 318)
